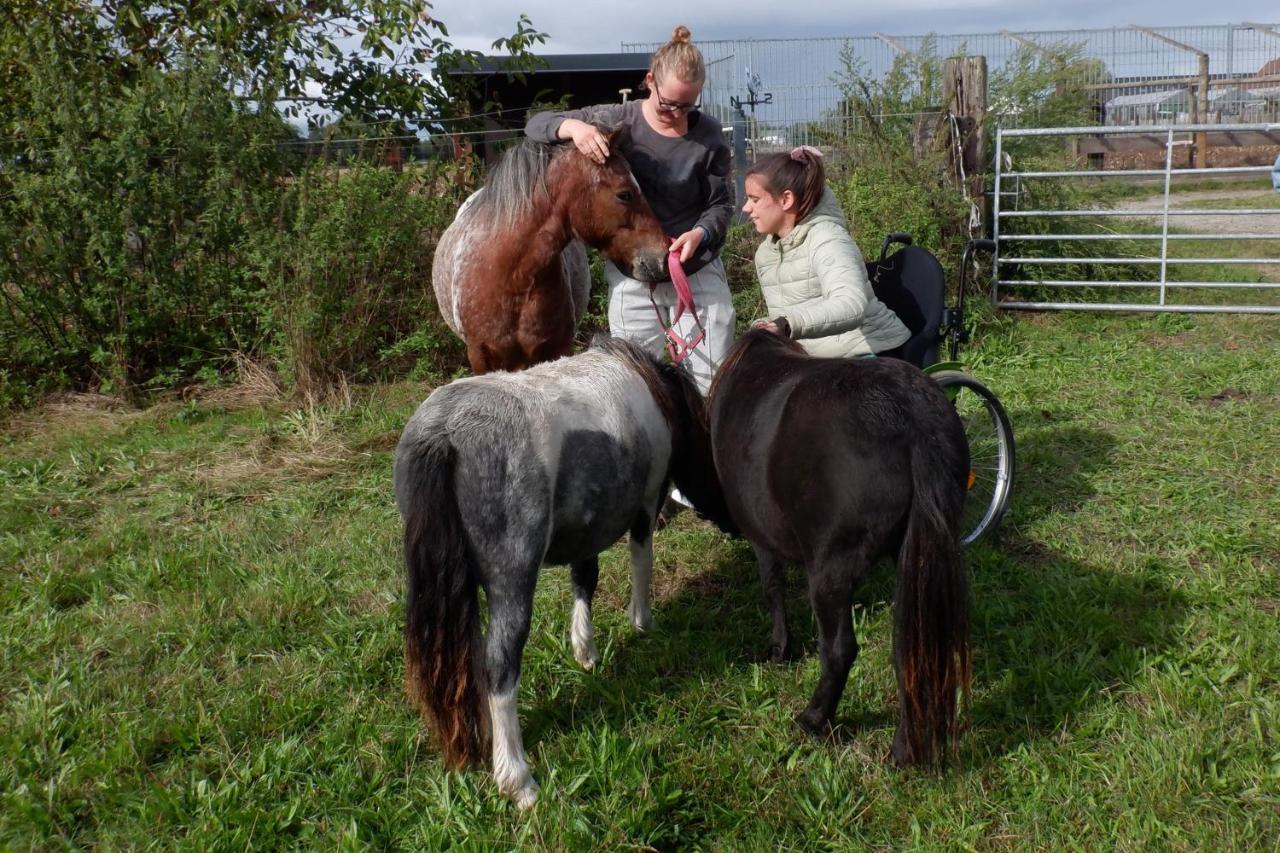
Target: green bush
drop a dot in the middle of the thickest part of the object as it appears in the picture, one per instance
(883, 196)
(159, 231)
(120, 254)
(347, 272)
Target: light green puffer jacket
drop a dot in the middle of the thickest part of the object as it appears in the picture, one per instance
(815, 277)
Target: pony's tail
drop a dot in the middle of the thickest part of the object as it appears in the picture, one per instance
(931, 609)
(443, 673)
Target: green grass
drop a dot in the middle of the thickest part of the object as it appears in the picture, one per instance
(200, 612)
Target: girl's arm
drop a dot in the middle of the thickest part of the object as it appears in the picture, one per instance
(846, 290)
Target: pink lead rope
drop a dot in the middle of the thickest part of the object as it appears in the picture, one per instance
(678, 347)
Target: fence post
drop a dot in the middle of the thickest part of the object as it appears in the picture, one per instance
(964, 96)
(1202, 138)
(739, 160)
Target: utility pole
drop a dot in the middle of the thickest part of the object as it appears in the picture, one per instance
(753, 99)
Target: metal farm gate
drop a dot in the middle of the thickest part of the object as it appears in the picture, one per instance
(1044, 256)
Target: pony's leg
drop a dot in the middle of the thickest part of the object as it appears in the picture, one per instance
(480, 357)
(510, 608)
(641, 545)
(582, 577)
(831, 593)
(773, 580)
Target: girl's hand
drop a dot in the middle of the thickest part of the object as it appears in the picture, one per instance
(587, 138)
(688, 243)
(778, 325)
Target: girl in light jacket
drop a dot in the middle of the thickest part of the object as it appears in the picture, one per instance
(811, 273)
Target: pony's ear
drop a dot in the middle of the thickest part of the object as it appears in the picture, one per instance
(615, 136)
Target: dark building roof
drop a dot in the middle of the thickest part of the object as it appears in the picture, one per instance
(587, 78)
(567, 63)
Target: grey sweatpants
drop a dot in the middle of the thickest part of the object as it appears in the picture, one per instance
(631, 316)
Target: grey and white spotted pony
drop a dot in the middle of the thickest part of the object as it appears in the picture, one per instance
(499, 474)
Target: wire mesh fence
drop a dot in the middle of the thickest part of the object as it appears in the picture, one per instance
(1136, 75)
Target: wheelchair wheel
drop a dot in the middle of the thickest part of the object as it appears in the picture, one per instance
(991, 451)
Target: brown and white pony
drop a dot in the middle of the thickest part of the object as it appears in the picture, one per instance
(510, 272)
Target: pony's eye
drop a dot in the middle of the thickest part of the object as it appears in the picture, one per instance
(626, 196)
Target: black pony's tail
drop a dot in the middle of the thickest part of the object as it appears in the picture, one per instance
(931, 606)
(443, 674)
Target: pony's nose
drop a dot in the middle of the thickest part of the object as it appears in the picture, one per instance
(650, 267)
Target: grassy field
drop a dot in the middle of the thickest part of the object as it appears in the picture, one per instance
(200, 614)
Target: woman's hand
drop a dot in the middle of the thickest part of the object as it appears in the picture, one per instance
(587, 138)
(688, 242)
(778, 326)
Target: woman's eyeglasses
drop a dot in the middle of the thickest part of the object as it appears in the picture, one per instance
(666, 106)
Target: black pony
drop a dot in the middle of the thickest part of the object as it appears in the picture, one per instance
(835, 463)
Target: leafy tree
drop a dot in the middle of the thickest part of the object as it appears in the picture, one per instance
(353, 57)
(142, 160)
(1048, 85)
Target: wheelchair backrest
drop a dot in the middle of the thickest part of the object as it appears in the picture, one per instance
(911, 282)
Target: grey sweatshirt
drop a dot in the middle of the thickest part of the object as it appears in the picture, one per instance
(685, 179)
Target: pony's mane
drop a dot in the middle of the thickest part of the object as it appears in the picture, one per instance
(687, 415)
(519, 179)
(660, 378)
(755, 337)
(516, 181)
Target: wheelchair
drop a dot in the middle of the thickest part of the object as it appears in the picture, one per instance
(912, 283)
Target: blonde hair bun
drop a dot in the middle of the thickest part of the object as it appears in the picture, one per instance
(679, 58)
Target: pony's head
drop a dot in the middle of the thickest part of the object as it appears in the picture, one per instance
(607, 210)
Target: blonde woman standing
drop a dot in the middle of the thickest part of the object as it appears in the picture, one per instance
(681, 163)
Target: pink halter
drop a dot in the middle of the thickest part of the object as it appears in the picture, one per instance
(678, 347)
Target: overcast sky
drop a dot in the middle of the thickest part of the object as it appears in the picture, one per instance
(588, 26)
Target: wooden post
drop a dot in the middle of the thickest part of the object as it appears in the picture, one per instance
(964, 96)
(893, 43)
(1202, 97)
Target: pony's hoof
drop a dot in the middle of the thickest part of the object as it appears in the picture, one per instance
(526, 797)
(781, 653)
(813, 723)
(642, 621)
(587, 658)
